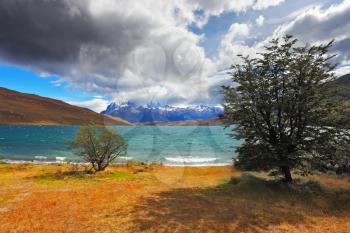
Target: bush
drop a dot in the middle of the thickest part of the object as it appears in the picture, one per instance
(342, 159)
(2, 159)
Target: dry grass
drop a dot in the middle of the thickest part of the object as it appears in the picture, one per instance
(138, 198)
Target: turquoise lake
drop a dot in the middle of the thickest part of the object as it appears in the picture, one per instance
(171, 145)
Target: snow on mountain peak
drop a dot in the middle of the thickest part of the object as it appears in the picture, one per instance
(157, 112)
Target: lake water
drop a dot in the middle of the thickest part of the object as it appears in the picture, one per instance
(171, 145)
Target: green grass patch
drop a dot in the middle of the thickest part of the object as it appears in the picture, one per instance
(60, 179)
(54, 182)
(80, 178)
(10, 168)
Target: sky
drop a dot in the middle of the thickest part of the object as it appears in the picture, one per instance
(177, 52)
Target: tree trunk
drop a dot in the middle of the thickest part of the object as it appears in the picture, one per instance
(102, 167)
(98, 168)
(94, 166)
(287, 175)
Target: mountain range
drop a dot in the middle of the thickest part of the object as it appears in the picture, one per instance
(161, 113)
(157, 114)
(213, 121)
(29, 109)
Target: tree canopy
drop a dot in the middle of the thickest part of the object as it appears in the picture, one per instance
(98, 145)
(285, 108)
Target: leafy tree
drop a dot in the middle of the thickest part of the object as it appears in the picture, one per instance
(342, 162)
(98, 145)
(284, 107)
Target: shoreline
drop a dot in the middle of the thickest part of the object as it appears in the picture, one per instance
(35, 162)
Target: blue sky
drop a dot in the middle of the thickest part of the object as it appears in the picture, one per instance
(90, 53)
(24, 80)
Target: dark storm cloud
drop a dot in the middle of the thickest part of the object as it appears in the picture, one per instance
(113, 47)
(343, 47)
(130, 50)
(43, 31)
(56, 36)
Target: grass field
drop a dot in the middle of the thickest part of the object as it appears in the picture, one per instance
(140, 198)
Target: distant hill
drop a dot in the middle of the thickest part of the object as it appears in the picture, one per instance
(28, 109)
(344, 83)
(344, 80)
(158, 113)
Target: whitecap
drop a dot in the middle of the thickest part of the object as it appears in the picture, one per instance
(190, 159)
(199, 165)
(125, 158)
(9, 161)
(60, 159)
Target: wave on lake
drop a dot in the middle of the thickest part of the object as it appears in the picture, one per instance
(172, 146)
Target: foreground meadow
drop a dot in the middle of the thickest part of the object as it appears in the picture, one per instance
(141, 198)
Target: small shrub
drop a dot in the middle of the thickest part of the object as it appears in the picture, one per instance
(74, 167)
(275, 173)
(235, 180)
(119, 175)
(98, 146)
(133, 163)
(138, 170)
(1, 159)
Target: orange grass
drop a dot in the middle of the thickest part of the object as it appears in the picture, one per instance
(138, 198)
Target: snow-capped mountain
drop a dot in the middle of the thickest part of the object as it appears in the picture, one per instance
(156, 112)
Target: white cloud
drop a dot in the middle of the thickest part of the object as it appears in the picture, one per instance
(233, 44)
(342, 70)
(97, 104)
(263, 4)
(320, 25)
(56, 83)
(260, 20)
(122, 49)
(316, 24)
